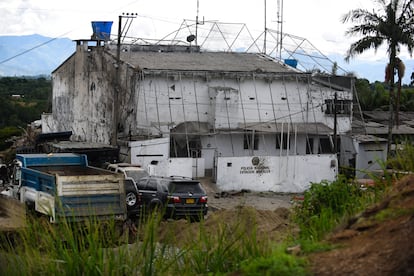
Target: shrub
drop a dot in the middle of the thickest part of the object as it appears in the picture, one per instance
(324, 205)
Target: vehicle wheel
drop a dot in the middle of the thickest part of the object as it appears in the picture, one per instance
(131, 199)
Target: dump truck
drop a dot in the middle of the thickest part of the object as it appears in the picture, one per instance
(63, 185)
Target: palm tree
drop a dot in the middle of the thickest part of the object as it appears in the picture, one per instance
(393, 25)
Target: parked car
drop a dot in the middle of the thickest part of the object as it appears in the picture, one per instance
(132, 175)
(179, 197)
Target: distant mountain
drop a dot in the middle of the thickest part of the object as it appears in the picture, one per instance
(33, 55)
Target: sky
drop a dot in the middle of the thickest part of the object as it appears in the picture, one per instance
(319, 21)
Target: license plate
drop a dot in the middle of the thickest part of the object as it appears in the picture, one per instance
(189, 201)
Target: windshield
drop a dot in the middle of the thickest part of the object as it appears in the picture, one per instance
(136, 175)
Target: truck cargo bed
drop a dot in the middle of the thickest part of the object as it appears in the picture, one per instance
(70, 170)
(63, 185)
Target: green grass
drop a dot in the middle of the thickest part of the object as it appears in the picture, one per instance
(326, 204)
(100, 248)
(277, 263)
(231, 247)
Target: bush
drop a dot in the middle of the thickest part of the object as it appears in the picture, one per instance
(324, 205)
(5, 134)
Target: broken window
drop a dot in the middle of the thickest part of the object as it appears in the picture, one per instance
(309, 145)
(190, 147)
(342, 106)
(325, 145)
(250, 141)
(282, 141)
(185, 139)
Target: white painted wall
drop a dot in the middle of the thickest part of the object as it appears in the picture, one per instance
(147, 152)
(83, 100)
(226, 103)
(370, 157)
(292, 174)
(154, 155)
(226, 145)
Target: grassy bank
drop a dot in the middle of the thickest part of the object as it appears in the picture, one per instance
(231, 247)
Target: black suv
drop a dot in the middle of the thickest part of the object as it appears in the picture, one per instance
(180, 197)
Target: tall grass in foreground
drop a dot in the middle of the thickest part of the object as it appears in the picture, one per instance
(233, 246)
(403, 158)
(104, 248)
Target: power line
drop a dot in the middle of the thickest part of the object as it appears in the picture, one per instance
(31, 49)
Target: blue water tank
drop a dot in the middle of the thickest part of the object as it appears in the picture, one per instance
(101, 29)
(291, 62)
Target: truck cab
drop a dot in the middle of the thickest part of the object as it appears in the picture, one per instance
(132, 175)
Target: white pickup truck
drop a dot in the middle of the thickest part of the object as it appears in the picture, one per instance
(132, 175)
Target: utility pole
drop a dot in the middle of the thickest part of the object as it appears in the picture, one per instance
(265, 28)
(117, 90)
(335, 139)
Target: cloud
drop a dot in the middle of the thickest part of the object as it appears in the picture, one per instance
(319, 21)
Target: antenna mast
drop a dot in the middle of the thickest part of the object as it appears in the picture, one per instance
(280, 26)
(196, 32)
(265, 28)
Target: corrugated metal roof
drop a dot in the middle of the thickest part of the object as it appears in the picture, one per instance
(205, 61)
(374, 128)
(384, 116)
(361, 138)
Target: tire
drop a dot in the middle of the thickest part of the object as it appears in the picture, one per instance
(131, 199)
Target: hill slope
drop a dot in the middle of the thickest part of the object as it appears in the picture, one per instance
(32, 55)
(379, 241)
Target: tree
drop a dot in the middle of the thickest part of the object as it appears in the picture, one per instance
(393, 25)
(412, 79)
(334, 71)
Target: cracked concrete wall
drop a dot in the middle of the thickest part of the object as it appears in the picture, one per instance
(84, 88)
(83, 96)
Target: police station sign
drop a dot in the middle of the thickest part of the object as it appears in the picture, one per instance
(258, 166)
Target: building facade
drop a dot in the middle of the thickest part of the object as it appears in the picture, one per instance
(207, 107)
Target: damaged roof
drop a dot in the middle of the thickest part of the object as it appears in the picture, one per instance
(205, 61)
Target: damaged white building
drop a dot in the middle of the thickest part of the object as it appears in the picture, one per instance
(247, 120)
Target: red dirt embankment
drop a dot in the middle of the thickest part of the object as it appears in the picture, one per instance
(379, 241)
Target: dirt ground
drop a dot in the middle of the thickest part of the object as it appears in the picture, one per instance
(379, 241)
(267, 210)
(218, 200)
